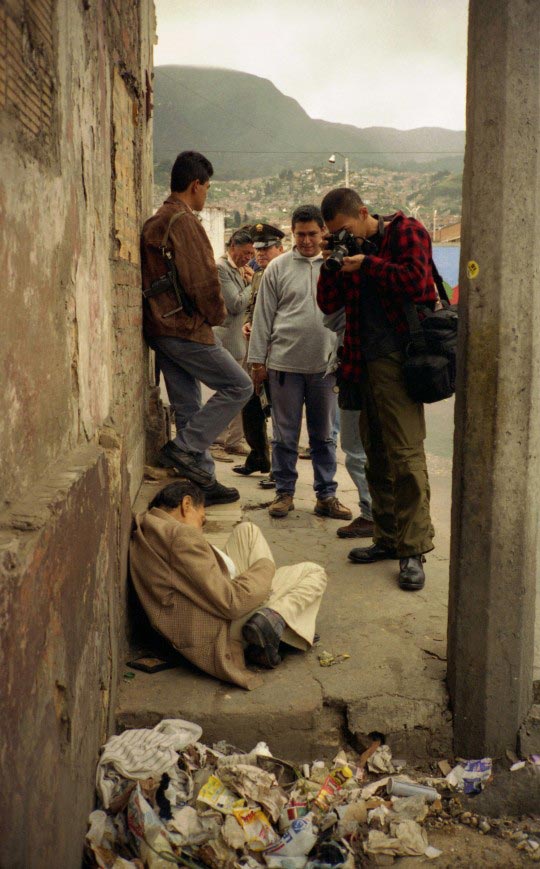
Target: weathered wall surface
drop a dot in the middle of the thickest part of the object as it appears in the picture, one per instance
(75, 148)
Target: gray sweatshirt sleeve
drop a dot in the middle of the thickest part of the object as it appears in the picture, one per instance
(236, 299)
(336, 323)
(263, 318)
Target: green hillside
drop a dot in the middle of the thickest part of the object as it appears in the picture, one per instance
(249, 129)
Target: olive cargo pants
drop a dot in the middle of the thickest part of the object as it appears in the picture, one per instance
(393, 429)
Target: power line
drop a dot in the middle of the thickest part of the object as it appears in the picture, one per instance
(355, 153)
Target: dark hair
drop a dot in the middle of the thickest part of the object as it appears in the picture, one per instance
(190, 166)
(241, 236)
(306, 213)
(174, 493)
(342, 200)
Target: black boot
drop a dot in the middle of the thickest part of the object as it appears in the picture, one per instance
(411, 573)
(216, 493)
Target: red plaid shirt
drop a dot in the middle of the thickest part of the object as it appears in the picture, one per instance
(401, 269)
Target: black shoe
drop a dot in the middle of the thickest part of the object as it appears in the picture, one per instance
(246, 470)
(411, 573)
(267, 483)
(186, 464)
(218, 494)
(260, 631)
(266, 657)
(367, 554)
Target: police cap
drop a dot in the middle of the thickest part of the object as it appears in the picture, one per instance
(265, 235)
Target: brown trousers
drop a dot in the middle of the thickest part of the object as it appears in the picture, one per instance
(393, 430)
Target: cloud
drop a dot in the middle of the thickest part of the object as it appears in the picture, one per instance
(399, 63)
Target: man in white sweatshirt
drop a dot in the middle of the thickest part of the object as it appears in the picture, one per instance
(290, 347)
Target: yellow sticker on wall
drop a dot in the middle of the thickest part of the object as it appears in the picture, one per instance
(473, 269)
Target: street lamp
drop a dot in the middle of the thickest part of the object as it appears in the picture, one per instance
(332, 159)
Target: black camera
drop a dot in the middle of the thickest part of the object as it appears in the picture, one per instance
(342, 244)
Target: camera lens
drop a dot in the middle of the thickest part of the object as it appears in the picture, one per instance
(334, 263)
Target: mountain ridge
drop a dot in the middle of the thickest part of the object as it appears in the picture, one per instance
(249, 128)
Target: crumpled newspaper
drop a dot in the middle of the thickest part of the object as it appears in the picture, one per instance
(257, 785)
(406, 839)
(410, 808)
(381, 760)
(194, 827)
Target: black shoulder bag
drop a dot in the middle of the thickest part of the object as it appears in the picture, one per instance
(430, 354)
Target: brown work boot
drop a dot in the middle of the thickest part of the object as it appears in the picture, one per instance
(239, 449)
(359, 527)
(219, 454)
(332, 508)
(281, 505)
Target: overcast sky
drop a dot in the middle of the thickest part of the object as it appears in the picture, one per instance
(391, 63)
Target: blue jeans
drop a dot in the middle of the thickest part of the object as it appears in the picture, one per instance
(355, 458)
(289, 392)
(184, 364)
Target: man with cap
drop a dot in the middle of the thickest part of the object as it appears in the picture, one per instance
(267, 243)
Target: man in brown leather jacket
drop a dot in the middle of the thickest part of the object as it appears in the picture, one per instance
(186, 350)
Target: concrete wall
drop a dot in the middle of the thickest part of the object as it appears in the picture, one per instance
(75, 148)
(213, 220)
(495, 555)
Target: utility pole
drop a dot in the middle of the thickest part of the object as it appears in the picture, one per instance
(332, 159)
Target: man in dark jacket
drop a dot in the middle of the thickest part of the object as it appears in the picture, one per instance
(372, 286)
(185, 346)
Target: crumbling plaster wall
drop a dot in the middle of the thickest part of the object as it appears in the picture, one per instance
(75, 147)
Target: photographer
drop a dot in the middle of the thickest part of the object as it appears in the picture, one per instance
(182, 337)
(374, 265)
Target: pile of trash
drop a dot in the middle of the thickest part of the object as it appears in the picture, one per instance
(167, 799)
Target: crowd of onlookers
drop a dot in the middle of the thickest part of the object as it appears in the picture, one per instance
(318, 330)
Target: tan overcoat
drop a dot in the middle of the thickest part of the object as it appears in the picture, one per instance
(185, 589)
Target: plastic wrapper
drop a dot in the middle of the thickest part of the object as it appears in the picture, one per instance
(218, 796)
(470, 776)
(257, 828)
(297, 841)
(332, 785)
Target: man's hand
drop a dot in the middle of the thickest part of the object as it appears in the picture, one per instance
(352, 263)
(258, 374)
(248, 274)
(246, 330)
(325, 251)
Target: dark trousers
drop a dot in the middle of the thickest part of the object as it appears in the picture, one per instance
(254, 424)
(393, 429)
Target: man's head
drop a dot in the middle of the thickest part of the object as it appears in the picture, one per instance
(240, 247)
(307, 227)
(343, 209)
(267, 243)
(184, 501)
(190, 176)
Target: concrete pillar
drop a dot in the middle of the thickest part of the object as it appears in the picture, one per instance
(496, 484)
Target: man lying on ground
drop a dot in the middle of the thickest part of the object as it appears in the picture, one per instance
(206, 601)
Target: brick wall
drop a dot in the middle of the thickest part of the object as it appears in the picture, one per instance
(75, 150)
